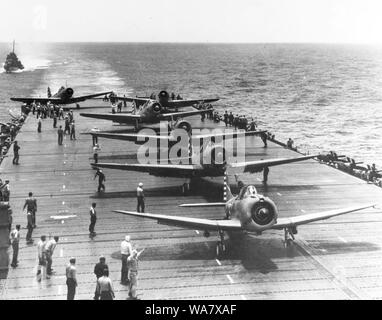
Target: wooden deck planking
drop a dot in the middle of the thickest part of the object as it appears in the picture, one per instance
(180, 263)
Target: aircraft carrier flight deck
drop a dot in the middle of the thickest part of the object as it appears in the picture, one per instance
(339, 258)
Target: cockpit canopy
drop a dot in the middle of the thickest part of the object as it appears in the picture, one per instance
(248, 191)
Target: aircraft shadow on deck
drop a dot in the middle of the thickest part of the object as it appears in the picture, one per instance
(255, 253)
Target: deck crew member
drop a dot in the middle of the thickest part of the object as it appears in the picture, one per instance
(98, 271)
(105, 286)
(226, 118)
(49, 250)
(230, 119)
(72, 131)
(60, 134)
(126, 250)
(15, 240)
(41, 258)
(263, 137)
(93, 220)
(101, 179)
(96, 148)
(67, 125)
(39, 123)
(140, 198)
(31, 205)
(29, 227)
(133, 273)
(16, 156)
(54, 119)
(71, 280)
(6, 191)
(290, 143)
(61, 113)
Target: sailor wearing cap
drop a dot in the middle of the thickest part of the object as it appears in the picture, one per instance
(126, 249)
(140, 198)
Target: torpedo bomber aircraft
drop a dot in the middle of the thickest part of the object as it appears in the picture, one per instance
(164, 100)
(63, 96)
(210, 159)
(247, 212)
(152, 111)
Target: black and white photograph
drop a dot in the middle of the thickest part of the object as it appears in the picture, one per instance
(208, 152)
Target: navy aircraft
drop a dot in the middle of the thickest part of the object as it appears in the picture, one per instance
(247, 212)
(164, 100)
(151, 112)
(63, 96)
(211, 161)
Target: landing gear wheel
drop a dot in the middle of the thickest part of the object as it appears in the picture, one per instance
(220, 249)
(185, 188)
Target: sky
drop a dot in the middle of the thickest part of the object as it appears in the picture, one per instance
(229, 21)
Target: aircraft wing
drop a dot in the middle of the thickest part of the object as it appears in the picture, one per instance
(175, 115)
(134, 137)
(257, 165)
(138, 101)
(121, 118)
(89, 96)
(311, 217)
(129, 136)
(188, 103)
(230, 134)
(38, 100)
(203, 204)
(161, 170)
(187, 222)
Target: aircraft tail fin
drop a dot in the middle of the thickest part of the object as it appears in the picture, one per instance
(227, 194)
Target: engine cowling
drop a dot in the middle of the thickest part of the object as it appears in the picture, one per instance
(163, 97)
(69, 92)
(183, 124)
(262, 213)
(157, 108)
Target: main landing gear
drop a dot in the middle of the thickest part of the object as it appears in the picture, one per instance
(186, 188)
(220, 246)
(289, 236)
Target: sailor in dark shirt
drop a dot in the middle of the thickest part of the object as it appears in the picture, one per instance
(101, 179)
(16, 149)
(98, 271)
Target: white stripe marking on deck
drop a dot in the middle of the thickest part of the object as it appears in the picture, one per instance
(61, 252)
(63, 202)
(229, 278)
(63, 186)
(343, 240)
(197, 232)
(243, 297)
(258, 179)
(218, 262)
(278, 193)
(303, 211)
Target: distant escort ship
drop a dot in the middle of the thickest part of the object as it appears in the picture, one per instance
(12, 62)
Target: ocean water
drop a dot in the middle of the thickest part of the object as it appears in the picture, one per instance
(325, 97)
